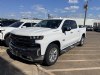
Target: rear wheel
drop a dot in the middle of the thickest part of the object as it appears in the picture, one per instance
(51, 55)
(81, 43)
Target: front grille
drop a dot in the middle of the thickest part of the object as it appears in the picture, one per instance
(22, 41)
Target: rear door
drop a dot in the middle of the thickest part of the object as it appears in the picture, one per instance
(74, 32)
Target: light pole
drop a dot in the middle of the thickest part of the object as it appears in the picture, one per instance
(45, 13)
(86, 8)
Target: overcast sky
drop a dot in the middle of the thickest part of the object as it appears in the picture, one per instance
(40, 8)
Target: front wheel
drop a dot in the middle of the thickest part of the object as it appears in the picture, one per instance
(7, 40)
(51, 55)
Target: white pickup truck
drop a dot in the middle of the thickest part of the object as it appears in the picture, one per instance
(4, 31)
(47, 40)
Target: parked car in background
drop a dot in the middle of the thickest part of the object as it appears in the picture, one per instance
(47, 40)
(5, 31)
(81, 26)
(99, 27)
(7, 22)
(89, 28)
(96, 26)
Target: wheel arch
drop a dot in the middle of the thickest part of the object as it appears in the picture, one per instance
(6, 35)
(57, 43)
(84, 35)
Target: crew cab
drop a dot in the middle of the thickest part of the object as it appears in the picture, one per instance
(4, 31)
(46, 40)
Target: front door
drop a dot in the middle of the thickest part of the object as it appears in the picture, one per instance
(67, 35)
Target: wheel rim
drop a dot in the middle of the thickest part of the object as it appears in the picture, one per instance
(53, 54)
(82, 41)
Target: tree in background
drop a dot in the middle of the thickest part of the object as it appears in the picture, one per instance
(6, 22)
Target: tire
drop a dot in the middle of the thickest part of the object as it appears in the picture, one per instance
(81, 43)
(7, 40)
(51, 55)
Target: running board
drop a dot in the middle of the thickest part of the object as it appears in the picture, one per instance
(68, 48)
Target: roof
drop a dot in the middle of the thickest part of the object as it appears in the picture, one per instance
(28, 20)
(80, 21)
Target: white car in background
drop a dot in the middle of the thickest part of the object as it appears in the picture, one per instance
(4, 31)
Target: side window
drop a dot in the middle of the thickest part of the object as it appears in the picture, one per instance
(33, 24)
(70, 23)
(73, 24)
(66, 24)
(27, 24)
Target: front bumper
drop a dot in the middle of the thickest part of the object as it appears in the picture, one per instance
(29, 54)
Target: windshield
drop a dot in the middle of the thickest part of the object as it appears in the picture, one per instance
(49, 24)
(16, 24)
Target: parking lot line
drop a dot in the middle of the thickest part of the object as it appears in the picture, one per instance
(89, 47)
(77, 60)
(80, 54)
(75, 69)
(44, 70)
(1, 51)
(87, 50)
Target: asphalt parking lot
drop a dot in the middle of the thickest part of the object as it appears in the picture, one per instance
(78, 61)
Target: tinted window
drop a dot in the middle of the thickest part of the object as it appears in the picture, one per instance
(33, 24)
(7, 23)
(27, 25)
(16, 24)
(70, 23)
(49, 24)
(73, 24)
(66, 24)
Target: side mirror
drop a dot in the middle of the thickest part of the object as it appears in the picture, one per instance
(23, 26)
(66, 29)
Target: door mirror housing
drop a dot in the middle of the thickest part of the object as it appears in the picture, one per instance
(66, 29)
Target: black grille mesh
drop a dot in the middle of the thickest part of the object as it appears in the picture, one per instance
(23, 41)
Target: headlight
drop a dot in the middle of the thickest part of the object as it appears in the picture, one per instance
(38, 37)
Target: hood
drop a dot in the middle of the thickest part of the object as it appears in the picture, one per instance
(32, 31)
